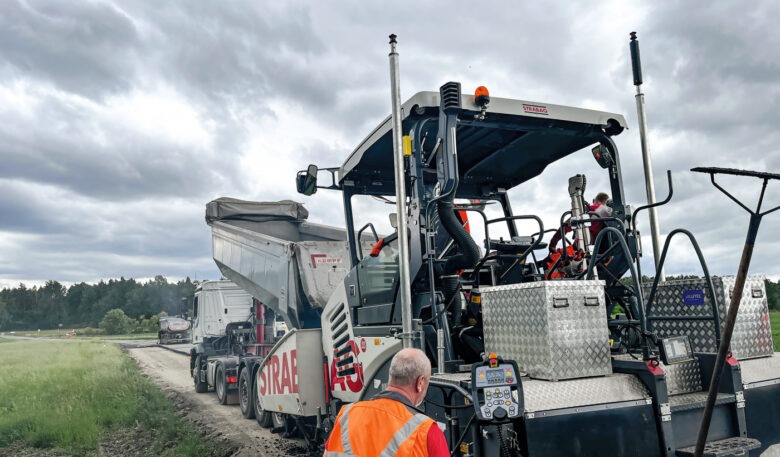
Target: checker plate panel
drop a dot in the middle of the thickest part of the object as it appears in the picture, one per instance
(547, 328)
(752, 332)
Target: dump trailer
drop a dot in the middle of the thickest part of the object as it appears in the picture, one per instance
(173, 330)
(532, 357)
(232, 332)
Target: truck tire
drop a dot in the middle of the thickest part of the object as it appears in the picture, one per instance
(262, 417)
(220, 386)
(279, 422)
(246, 397)
(284, 425)
(200, 387)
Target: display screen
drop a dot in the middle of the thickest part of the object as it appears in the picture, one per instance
(495, 376)
(677, 349)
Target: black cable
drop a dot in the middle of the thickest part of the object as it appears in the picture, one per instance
(456, 448)
(502, 442)
(445, 308)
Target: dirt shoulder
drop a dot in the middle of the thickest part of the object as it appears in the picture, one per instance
(217, 423)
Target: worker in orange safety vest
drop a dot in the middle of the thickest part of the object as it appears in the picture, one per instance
(390, 424)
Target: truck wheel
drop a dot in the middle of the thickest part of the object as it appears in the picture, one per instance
(279, 422)
(200, 387)
(220, 385)
(245, 398)
(262, 417)
(283, 425)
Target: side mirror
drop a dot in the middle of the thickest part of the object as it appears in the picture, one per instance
(306, 181)
(603, 156)
(394, 220)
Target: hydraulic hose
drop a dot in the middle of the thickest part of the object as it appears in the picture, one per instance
(469, 255)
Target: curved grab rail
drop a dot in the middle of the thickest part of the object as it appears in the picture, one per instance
(653, 205)
(641, 208)
(521, 256)
(705, 270)
(640, 305)
(360, 237)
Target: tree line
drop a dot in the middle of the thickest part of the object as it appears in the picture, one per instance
(85, 305)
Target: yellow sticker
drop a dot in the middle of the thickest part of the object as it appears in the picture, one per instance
(407, 145)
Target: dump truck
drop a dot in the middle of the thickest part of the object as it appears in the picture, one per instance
(231, 333)
(173, 330)
(585, 361)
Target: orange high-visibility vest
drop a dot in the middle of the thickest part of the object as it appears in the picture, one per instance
(379, 427)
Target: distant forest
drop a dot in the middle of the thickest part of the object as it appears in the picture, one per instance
(85, 305)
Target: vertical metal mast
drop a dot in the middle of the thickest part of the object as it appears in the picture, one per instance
(400, 198)
(636, 65)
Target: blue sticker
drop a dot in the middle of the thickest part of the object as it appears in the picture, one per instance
(693, 297)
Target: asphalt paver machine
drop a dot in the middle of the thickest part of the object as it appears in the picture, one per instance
(525, 362)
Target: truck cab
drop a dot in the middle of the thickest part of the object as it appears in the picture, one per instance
(215, 305)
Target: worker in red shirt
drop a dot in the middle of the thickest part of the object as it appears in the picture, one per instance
(600, 208)
(390, 423)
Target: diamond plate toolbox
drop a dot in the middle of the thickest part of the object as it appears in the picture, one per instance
(689, 297)
(554, 330)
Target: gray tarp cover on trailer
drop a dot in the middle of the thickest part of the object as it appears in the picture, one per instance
(233, 208)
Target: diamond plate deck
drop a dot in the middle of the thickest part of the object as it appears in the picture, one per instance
(541, 395)
(695, 400)
(546, 395)
(760, 370)
(548, 329)
(723, 448)
(752, 333)
(456, 379)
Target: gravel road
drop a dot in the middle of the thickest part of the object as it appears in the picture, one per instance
(169, 368)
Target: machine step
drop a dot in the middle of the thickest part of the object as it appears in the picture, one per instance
(723, 448)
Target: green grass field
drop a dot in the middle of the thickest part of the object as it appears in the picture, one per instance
(774, 318)
(71, 395)
(81, 334)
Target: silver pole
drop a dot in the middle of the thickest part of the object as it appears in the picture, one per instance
(636, 66)
(440, 350)
(400, 198)
(649, 183)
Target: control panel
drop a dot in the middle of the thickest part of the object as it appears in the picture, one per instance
(496, 390)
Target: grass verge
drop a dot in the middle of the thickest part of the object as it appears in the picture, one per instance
(70, 396)
(83, 333)
(774, 319)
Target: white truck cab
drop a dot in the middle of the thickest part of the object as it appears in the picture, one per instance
(217, 304)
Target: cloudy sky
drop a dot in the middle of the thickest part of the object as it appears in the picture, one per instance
(120, 120)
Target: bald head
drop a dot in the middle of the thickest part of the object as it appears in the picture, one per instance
(408, 365)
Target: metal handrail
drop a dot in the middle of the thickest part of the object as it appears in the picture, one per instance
(713, 302)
